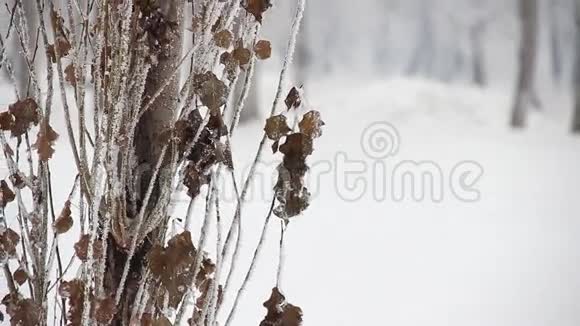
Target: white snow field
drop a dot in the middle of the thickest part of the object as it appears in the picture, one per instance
(501, 249)
(510, 257)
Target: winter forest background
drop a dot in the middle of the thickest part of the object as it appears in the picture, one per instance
(445, 186)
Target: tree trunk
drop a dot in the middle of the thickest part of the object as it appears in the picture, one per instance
(422, 59)
(555, 46)
(576, 116)
(527, 65)
(478, 56)
(148, 148)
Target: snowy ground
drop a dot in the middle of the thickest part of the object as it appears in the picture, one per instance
(510, 256)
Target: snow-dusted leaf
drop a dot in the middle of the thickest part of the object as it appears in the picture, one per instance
(162, 321)
(21, 311)
(211, 90)
(104, 310)
(171, 266)
(230, 65)
(223, 38)
(20, 276)
(17, 180)
(263, 49)
(6, 194)
(8, 241)
(6, 121)
(293, 99)
(74, 292)
(64, 221)
(311, 124)
(297, 146)
(45, 142)
(69, 74)
(25, 114)
(257, 7)
(82, 246)
(276, 127)
(280, 312)
(242, 55)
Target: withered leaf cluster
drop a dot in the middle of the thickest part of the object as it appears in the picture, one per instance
(208, 150)
(22, 311)
(20, 276)
(45, 141)
(82, 248)
(64, 222)
(211, 90)
(61, 46)
(102, 309)
(173, 268)
(74, 292)
(292, 195)
(69, 74)
(158, 29)
(280, 312)
(6, 194)
(8, 241)
(293, 99)
(21, 116)
(263, 49)
(240, 56)
(223, 38)
(257, 7)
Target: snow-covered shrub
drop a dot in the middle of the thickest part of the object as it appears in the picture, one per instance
(144, 114)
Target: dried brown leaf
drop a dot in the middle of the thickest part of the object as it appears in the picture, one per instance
(257, 8)
(8, 241)
(6, 121)
(74, 291)
(64, 222)
(297, 146)
(242, 55)
(45, 142)
(104, 310)
(20, 276)
(230, 65)
(276, 127)
(82, 246)
(211, 90)
(162, 321)
(293, 99)
(172, 266)
(263, 49)
(6, 194)
(21, 311)
(280, 312)
(311, 124)
(17, 180)
(25, 114)
(69, 74)
(223, 38)
(62, 47)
